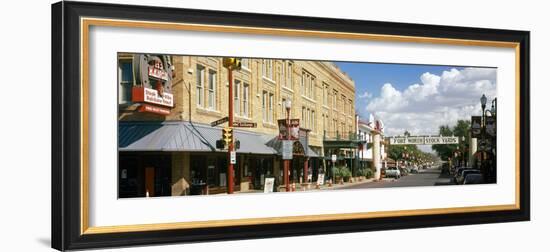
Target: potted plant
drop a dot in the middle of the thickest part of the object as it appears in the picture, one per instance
(346, 174)
(337, 174)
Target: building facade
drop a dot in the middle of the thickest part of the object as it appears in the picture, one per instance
(180, 135)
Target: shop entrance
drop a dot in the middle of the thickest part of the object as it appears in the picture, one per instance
(143, 174)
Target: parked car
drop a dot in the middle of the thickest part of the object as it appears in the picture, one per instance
(464, 173)
(393, 172)
(414, 170)
(473, 178)
(383, 172)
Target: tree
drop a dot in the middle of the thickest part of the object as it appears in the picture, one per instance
(461, 129)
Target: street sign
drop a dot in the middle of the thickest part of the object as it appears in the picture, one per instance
(287, 149)
(219, 121)
(245, 124)
(333, 157)
(268, 186)
(233, 157)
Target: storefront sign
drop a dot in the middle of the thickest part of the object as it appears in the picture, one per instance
(423, 140)
(233, 158)
(245, 124)
(153, 109)
(156, 70)
(287, 149)
(294, 129)
(148, 95)
(268, 186)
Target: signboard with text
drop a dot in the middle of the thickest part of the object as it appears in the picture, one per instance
(219, 121)
(148, 95)
(423, 140)
(245, 124)
(268, 186)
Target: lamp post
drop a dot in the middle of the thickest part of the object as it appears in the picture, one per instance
(493, 111)
(231, 64)
(288, 105)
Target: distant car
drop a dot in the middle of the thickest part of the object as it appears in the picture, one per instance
(414, 170)
(403, 171)
(393, 172)
(473, 178)
(464, 173)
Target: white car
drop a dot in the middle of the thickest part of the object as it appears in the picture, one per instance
(393, 172)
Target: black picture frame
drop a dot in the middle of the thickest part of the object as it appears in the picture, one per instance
(66, 113)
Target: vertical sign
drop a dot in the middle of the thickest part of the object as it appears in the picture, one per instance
(233, 157)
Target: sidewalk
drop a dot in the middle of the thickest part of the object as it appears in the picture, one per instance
(312, 186)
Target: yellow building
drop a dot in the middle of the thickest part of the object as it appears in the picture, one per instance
(323, 98)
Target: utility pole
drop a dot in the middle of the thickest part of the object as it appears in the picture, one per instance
(231, 64)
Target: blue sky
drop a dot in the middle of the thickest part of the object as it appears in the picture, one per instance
(419, 98)
(371, 76)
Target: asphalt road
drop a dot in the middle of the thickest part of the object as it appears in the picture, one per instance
(428, 177)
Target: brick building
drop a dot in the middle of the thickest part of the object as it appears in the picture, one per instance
(169, 148)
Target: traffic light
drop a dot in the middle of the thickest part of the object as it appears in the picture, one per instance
(227, 135)
(232, 63)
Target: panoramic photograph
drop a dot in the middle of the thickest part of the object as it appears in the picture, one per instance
(210, 125)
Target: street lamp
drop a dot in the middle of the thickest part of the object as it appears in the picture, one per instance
(288, 105)
(483, 101)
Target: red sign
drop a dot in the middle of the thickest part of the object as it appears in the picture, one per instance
(294, 129)
(148, 95)
(157, 70)
(153, 109)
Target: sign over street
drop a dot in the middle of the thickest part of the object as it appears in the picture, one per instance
(423, 140)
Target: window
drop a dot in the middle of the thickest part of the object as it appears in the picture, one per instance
(236, 97)
(125, 81)
(289, 75)
(325, 94)
(308, 121)
(335, 99)
(264, 106)
(245, 99)
(350, 109)
(267, 68)
(343, 104)
(212, 89)
(270, 108)
(303, 84)
(245, 63)
(200, 86)
(283, 108)
(304, 115)
(313, 120)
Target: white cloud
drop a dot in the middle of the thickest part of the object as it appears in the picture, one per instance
(437, 100)
(365, 94)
